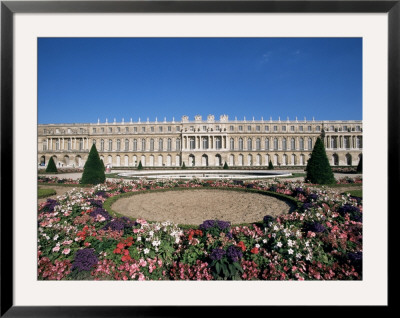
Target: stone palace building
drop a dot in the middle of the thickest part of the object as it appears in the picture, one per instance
(200, 143)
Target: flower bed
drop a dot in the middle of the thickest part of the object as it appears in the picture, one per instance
(78, 239)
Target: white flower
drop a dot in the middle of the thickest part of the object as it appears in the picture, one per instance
(279, 244)
(265, 241)
(290, 243)
(273, 235)
(298, 255)
(156, 243)
(307, 243)
(151, 233)
(290, 251)
(146, 250)
(276, 228)
(139, 238)
(258, 245)
(308, 257)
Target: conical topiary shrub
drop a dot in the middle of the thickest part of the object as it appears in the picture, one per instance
(318, 169)
(270, 165)
(183, 165)
(359, 167)
(93, 171)
(51, 166)
(225, 166)
(140, 167)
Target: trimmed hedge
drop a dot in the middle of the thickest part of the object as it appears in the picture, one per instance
(93, 171)
(51, 166)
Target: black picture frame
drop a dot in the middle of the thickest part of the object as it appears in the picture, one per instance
(9, 8)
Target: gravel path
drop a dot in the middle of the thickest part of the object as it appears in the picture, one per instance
(196, 206)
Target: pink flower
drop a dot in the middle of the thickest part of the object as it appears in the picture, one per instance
(56, 249)
(66, 251)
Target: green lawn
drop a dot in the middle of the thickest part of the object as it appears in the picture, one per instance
(43, 193)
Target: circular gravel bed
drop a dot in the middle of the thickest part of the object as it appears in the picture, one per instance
(196, 206)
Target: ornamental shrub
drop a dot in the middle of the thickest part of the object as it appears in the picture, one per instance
(93, 171)
(225, 166)
(51, 166)
(359, 167)
(318, 168)
(183, 166)
(140, 167)
(270, 165)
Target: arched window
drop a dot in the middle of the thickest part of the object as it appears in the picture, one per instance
(310, 144)
(70, 144)
(160, 144)
(275, 143)
(284, 144)
(178, 144)
(359, 142)
(301, 144)
(126, 144)
(151, 144)
(218, 143)
(191, 142)
(249, 144)
(80, 144)
(118, 144)
(143, 145)
(258, 144)
(44, 145)
(169, 145)
(101, 144)
(205, 142)
(232, 144)
(134, 144)
(110, 145)
(58, 145)
(240, 143)
(267, 144)
(293, 144)
(94, 142)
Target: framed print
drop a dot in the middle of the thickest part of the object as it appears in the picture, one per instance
(206, 104)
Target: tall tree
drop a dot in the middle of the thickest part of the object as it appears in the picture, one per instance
(51, 166)
(93, 171)
(359, 166)
(318, 168)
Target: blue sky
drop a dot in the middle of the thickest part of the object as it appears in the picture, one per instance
(83, 79)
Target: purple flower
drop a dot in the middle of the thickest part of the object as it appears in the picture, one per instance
(315, 227)
(307, 206)
(234, 253)
(267, 219)
(85, 259)
(101, 194)
(119, 224)
(102, 212)
(355, 213)
(208, 224)
(96, 203)
(312, 197)
(217, 254)
(50, 205)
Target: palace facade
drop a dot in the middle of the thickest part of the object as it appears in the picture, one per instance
(199, 142)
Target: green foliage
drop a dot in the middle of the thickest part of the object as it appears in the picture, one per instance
(270, 165)
(225, 166)
(51, 166)
(93, 171)
(359, 167)
(318, 168)
(140, 167)
(224, 270)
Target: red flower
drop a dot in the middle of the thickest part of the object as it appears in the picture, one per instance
(254, 250)
(242, 246)
(125, 258)
(117, 251)
(120, 245)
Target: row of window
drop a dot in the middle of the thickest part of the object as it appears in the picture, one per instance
(286, 144)
(256, 128)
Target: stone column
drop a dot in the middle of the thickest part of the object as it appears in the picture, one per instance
(47, 144)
